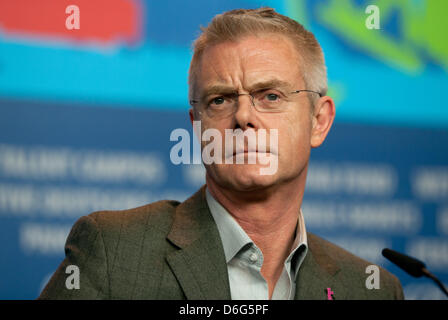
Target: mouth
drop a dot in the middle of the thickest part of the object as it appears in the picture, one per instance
(249, 151)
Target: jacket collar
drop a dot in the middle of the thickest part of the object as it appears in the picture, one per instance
(318, 274)
(200, 264)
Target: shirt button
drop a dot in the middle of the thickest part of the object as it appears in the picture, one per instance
(253, 257)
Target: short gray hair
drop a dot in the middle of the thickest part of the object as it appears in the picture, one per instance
(235, 24)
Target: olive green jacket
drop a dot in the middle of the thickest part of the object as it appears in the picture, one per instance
(172, 250)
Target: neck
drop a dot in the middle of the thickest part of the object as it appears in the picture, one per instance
(270, 220)
(267, 218)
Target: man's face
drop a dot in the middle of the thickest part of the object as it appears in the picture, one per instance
(240, 67)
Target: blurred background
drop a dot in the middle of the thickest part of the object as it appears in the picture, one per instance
(86, 116)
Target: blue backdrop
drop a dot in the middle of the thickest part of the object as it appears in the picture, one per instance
(86, 116)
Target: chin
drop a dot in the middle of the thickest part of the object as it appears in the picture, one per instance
(244, 177)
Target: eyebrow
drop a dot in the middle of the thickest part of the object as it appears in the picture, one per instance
(223, 89)
(217, 89)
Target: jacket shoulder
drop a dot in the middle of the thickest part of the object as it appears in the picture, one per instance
(157, 216)
(354, 271)
(110, 248)
(337, 253)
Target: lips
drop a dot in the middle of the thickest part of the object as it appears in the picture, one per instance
(249, 151)
(247, 143)
(243, 150)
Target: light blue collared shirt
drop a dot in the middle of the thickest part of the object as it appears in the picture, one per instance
(244, 259)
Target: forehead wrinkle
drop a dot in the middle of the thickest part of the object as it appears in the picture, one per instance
(209, 64)
(246, 67)
(268, 84)
(263, 84)
(263, 70)
(223, 79)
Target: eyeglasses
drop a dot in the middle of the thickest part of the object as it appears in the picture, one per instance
(266, 101)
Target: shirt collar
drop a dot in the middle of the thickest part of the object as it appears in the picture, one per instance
(234, 238)
(232, 235)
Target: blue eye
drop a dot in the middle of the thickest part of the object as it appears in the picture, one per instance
(272, 97)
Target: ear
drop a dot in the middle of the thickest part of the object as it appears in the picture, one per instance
(324, 113)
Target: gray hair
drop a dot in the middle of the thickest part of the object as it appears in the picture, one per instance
(235, 24)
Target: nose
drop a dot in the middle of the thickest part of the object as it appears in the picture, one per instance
(251, 97)
(245, 116)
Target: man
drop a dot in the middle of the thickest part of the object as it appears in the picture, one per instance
(242, 236)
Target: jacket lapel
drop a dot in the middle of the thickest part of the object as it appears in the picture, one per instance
(318, 273)
(199, 265)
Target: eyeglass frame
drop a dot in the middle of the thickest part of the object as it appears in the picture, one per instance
(237, 95)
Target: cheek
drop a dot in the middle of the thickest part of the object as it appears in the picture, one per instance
(215, 133)
(294, 138)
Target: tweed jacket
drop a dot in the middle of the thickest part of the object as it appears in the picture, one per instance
(172, 250)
